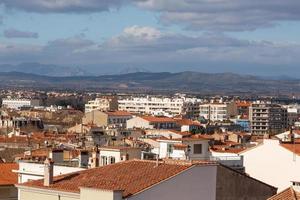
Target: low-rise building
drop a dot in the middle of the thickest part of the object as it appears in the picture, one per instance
(114, 154)
(273, 162)
(106, 119)
(151, 122)
(19, 103)
(148, 180)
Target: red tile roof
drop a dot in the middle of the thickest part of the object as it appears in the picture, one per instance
(7, 177)
(118, 113)
(130, 177)
(295, 148)
(158, 119)
(287, 194)
(188, 122)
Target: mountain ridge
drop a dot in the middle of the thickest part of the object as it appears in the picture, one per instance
(218, 83)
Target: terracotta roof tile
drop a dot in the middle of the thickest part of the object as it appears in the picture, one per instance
(7, 177)
(158, 119)
(287, 194)
(130, 176)
(292, 147)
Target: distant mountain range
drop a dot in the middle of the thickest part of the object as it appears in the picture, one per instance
(205, 83)
(43, 69)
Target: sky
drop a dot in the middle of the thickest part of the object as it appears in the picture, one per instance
(106, 36)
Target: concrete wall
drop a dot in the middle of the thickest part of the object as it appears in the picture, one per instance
(272, 164)
(196, 183)
(138, 122)
(34, 171)
(96, 194)
(38, 194)
(8, 193)
(234, 186)
(95, 117)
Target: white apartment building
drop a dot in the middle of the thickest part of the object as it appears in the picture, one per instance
(151, 105)
(218, 111)
(106, 103)
(19, 103)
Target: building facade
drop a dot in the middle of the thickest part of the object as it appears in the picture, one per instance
(267, 118)
(19, 103)
(151, 105)
(105, 103)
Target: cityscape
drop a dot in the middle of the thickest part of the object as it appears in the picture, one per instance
(149, 100)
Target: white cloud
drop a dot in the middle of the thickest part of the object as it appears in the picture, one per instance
(161, 50)
(47, 6)
(224, 15)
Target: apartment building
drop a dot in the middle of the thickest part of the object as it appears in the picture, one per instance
(107, 155)
(218, 111)
(108, 118)
(151, 122)
(105, 103)
(267, 118)
(19, 103)
(148, 180)
(151, 105)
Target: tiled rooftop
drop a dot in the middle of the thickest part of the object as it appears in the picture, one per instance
(287, 194)
(130, 176)
(7, 177)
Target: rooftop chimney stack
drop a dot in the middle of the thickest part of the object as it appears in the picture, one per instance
(48, 172)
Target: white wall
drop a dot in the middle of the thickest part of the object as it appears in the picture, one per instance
(272, 164)
(138, 122)
(196, 183)
(34, 171)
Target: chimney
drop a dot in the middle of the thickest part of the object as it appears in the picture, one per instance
(48, 172)
(83, 159)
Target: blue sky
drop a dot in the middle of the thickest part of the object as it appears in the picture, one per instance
(158, 35)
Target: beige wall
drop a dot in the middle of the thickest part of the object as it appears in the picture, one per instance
(95, 117)
(38, 194)
(8, 192)
(96, 194)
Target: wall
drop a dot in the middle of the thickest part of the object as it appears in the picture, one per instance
(138, 122)
(8, 193)
(97, 194)
(205, 150)
(34, 171)
(232, 185)
(95, 117)
(196, 183)
(272, 164)
(39, 194)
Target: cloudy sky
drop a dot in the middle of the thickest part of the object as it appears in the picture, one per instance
(253, 37)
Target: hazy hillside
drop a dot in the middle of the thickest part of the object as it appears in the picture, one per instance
(184, 81)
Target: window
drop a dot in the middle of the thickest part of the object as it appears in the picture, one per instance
(112, 160)
(170, 148)
(197, 148)
(103, 160)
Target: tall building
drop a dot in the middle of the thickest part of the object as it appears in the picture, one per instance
(19, 103)
(218, 111)
(104, 103)
(178, 105)
(267, 118)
